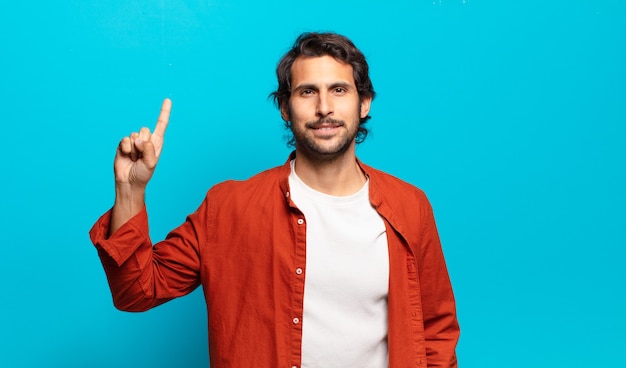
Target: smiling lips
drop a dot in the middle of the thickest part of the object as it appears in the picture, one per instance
(325, 124)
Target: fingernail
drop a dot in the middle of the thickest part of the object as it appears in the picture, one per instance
(138, 141)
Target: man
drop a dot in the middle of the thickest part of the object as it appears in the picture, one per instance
(321, 262)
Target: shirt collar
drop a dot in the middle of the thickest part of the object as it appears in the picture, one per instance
(374, 192)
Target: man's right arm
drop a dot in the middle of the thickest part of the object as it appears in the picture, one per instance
(139, 276)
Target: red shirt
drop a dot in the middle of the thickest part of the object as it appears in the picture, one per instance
(246, 245)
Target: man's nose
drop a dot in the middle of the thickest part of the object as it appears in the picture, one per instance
(324, 104)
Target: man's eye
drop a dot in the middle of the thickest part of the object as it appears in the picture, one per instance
(306, 92)
(340, 90)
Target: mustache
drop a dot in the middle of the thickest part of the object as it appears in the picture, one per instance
(324, 122)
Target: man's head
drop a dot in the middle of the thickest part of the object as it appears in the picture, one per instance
(317, 45)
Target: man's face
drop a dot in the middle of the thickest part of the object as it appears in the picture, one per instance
(324, 108)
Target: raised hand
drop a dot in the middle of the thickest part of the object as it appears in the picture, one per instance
(135, 161)
(138, 154)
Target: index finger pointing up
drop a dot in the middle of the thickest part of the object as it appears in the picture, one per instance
(164, 118)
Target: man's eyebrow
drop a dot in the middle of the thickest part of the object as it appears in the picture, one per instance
(305, 86)
(341, 84)
(315, 87)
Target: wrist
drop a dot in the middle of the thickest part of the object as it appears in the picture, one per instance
(130, 198)
(129, 201)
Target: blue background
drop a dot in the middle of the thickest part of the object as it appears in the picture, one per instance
(511, 115)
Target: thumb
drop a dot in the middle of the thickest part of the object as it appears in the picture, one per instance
(146, 148)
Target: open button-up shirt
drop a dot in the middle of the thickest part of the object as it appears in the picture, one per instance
(246, 246)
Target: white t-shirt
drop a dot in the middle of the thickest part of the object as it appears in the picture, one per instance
(346, 279)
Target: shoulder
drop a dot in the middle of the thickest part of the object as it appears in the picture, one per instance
(259, 185)
(405, 206)
(392, 186)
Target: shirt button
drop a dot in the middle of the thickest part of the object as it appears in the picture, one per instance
(287, 194)
(294, 366)
(298, 271)
(300, 221)
(296, 321)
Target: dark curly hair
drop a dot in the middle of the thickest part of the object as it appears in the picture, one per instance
(322, 44)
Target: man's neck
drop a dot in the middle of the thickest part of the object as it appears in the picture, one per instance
(340, 176)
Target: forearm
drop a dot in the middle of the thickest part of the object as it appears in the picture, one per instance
(124, 255)
(142, 276)
(441, 328)
(129, 201)
(132, 283)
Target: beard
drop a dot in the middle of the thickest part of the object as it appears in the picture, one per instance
(322, 148)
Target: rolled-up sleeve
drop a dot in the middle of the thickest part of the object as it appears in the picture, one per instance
(142, 276)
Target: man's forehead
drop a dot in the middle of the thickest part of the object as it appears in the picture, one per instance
(323, 69)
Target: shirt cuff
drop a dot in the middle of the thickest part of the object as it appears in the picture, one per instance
(125, 241)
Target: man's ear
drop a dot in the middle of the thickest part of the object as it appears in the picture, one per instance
(284, 110)
(366, 102)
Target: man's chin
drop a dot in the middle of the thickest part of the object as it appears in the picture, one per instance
(324, 152)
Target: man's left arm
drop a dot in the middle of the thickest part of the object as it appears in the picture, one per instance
(441, 327)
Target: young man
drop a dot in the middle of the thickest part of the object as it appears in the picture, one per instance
(321, 262)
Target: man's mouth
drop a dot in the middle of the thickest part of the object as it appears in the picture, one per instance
(325, 124)
(325, 127)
